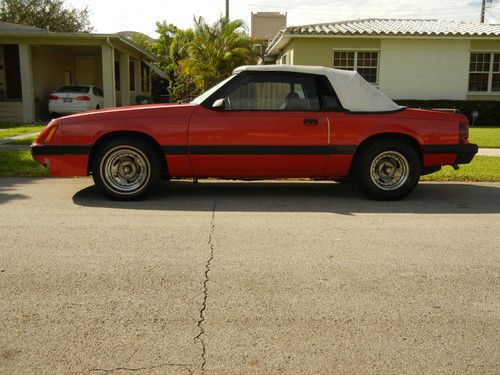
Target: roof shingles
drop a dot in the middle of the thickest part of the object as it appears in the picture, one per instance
(397, 27)
(391, 27)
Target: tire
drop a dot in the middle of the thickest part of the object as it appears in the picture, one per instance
(388, 170)
(125, 168)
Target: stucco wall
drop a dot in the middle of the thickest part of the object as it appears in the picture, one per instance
(424, 69)
(319, 51)
(11, 111)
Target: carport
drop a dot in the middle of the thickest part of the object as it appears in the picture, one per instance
(35, 62)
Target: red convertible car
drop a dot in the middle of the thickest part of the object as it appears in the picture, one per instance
(262, 122)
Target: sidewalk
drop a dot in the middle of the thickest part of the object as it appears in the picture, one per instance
(4, 147)
(489, 152)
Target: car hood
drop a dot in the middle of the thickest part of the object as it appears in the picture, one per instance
(131, 112)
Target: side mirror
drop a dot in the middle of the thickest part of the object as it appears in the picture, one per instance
(219, 104)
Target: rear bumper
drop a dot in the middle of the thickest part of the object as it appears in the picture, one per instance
(464, 153)
(467, 154)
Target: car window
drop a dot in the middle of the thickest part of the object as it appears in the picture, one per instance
(74, 89)
(273, 92)
(328, 99)
(97, 91)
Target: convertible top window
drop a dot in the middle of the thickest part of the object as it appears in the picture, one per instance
(264, 91)
(200, 99)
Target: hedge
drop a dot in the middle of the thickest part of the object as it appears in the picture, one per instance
(489, 111)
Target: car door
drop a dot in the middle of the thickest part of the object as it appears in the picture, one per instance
(269, 125)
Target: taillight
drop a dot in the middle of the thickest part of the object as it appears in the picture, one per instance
(53, 97)
(83, 98)
(463, 132)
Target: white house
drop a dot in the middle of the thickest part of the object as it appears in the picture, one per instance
(405, 58)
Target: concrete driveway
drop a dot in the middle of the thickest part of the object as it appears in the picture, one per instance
(248, 278)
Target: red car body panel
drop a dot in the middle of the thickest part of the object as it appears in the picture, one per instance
(202, 142)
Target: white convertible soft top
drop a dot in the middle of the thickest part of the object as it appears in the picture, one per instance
(354, 92)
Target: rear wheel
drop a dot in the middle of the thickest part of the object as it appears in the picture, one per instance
(125, 168)
(388, 170)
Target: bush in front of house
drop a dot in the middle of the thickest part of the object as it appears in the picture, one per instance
(489, 111)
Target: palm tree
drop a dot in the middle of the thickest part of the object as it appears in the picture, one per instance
(216, 50)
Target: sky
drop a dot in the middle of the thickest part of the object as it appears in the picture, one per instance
(110, 16)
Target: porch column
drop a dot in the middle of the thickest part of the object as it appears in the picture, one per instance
(125, 78)
(137, 77)
(108, 76)
(27, 88)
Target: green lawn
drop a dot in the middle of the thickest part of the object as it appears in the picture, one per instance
(482, 168)
(24, 141)
(485, 137)
(20, 164)
(10, 129)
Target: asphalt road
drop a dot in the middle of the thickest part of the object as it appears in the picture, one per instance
(248, 278)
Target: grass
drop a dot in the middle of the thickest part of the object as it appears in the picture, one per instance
(485, 137)
(482, 168)
(15, 164)
(24, 141)
(6, 130)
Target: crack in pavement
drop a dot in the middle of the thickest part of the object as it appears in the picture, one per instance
(183, 365)
(201, 320)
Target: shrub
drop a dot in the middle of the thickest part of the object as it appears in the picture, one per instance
(489, 111)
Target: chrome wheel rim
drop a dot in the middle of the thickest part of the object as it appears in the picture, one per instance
(125, 169)
(389, 170)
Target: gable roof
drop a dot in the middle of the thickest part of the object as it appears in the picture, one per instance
(9, 27)
(390, 27)
(16, 34)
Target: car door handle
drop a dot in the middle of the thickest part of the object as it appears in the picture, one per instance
(311, 121)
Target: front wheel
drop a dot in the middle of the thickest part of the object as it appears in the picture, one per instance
(388, 170)
(125, 168)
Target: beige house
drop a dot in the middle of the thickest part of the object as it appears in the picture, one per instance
(265, 25)
(406, 59)
(35, 62)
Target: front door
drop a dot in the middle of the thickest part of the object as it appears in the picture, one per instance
(270, 125)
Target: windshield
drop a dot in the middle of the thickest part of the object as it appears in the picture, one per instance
(74, 89)
(200, 99)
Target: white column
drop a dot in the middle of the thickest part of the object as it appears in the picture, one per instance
(125, 78)
(108, 76)
(28, 91)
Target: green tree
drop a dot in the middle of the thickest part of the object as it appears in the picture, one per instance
(216, 50)
(46, 14)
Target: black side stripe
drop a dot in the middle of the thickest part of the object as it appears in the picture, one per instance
(60, 150)
(175, 150)
(252, 150)
(271, 150)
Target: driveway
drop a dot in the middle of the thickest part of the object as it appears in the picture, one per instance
(248, 278)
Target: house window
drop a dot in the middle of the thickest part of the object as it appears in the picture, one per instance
(364, 62)
(484, 72)
(145, 77)
(117, 75)
(132, 75)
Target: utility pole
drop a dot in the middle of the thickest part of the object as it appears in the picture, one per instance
(483, 8)
(227, 8)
